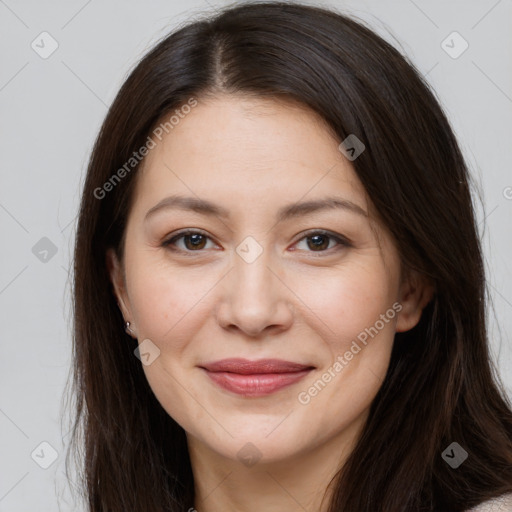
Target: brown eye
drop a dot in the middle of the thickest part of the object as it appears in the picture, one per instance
(187, 241)
(320, 241)
(195, 241)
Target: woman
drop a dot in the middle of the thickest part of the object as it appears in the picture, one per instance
(296, 316)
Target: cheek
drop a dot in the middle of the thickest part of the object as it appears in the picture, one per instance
(167, 302)
(169, 307)
(355, 320)
(344, 303)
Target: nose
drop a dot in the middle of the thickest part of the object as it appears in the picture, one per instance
(255, 299)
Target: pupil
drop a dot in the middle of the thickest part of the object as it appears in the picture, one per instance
(195, 240)
(319, 241)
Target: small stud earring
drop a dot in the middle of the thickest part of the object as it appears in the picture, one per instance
(127, 328)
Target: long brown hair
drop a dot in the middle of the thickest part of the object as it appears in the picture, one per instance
(440, 387)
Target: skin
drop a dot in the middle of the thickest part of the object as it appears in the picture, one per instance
(296, 302)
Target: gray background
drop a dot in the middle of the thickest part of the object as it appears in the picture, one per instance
(51, 111)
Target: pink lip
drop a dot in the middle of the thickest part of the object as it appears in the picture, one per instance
(255, 378)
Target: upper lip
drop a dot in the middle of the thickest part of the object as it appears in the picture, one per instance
(260, 366)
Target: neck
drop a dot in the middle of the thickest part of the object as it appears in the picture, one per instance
(298, 483)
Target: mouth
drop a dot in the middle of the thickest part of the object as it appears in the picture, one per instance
(255, 378)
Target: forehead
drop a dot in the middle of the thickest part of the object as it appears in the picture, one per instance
(249, 151)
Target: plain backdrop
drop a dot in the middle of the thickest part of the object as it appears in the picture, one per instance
(51, 111)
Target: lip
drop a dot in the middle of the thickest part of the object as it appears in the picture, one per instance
(255, 378)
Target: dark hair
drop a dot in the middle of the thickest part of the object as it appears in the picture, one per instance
(440, 387)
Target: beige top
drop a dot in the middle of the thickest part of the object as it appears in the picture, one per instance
(501, 504)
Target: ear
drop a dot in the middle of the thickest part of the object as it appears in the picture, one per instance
(416, 291)
(116, 274)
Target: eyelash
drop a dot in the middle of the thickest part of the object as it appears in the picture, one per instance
(169, 244)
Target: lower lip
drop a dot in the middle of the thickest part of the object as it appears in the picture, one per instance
(257, 384)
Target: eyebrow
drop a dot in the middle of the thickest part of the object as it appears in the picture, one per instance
(205, 207)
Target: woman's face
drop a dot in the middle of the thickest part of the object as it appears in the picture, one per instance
(286, 262)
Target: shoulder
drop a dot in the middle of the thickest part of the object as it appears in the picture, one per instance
(501, 504)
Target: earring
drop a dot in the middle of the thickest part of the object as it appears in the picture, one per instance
(127, 328)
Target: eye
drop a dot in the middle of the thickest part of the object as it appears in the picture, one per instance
(193, 241)
(322, 241)
(316, 241)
